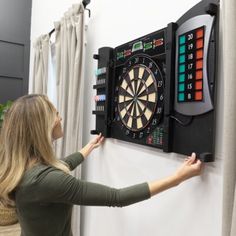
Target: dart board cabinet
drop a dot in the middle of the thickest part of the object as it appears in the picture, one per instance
(159, 90)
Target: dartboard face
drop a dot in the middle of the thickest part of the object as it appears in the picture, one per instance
(140, 96)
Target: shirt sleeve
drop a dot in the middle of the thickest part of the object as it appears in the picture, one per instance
(57, 186)
(73, 160)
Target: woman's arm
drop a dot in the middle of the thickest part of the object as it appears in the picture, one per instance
(57, 186)
(77, 158)
(191, 167)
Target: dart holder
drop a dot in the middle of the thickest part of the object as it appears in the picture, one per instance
(103, 118)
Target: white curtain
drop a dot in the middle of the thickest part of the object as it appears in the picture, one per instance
(229, 135)
(51, 89)
(70, 51)
(40, 73)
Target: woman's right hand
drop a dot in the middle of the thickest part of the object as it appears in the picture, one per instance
(92, 144)
(190, 168)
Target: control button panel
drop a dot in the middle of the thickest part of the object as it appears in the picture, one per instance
(190, 66)
(156, 137)
(192, 92)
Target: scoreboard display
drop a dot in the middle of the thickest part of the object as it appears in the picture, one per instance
(190, 66)
(159, 90)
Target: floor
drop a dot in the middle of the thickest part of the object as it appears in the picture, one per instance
(12, 230)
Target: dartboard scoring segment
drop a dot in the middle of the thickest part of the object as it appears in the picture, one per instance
(140, 96)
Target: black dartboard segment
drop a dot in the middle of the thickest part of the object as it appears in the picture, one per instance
(139, 96)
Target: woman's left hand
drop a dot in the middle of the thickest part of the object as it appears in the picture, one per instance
(97, 141)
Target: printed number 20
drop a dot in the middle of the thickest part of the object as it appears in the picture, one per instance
(190, 36)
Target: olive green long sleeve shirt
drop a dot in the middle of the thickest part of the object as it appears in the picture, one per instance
(45, 197)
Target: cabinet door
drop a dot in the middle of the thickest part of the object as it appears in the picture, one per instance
(15, 18)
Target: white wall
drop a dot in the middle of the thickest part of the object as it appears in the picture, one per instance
(191, 209)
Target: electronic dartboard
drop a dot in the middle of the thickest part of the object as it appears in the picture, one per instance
(159, 90)
(138, 95)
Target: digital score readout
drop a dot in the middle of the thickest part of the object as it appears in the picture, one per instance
(190, 65)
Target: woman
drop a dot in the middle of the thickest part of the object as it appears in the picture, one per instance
(40, 186)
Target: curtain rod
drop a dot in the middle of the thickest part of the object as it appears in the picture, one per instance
(85, 3)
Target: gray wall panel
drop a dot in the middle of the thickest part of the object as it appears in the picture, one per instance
(11, 59)
(15, 21)
(10, 88)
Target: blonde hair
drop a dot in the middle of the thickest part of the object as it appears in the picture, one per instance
(26, 134)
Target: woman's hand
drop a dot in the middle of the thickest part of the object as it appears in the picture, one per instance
(97, 141)
(190, 168)
(94, 143)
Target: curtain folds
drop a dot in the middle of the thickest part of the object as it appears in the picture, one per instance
(63, 70)
(229, 134)
(40, 73)
(69, 48)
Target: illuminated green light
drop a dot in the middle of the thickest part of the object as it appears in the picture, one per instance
(181, 78)
(147, 46)
(181, 97)
(181, 68)
(137, 46)
(182, 39)
(182, 49)
(181, 87)
(181, 59)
